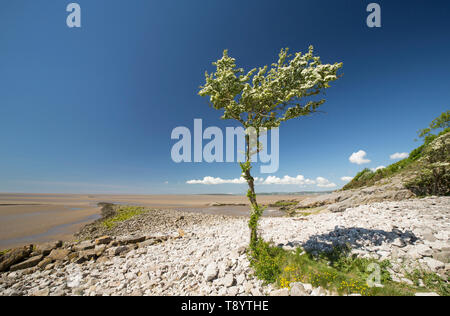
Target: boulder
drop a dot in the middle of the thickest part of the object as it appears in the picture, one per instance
(228, 280)
(116, 251)
(427, 233)
(319, 291)
(424, 250)
(308, 288)
(427, 294)
(44, 263)
(255, 292)
(242, 250)
(14, 256)
(103, 259)
(211, 272)
(413, 254)
(148, 242)
(87, 255)
(145, 278)
(104, 240)
(324, 199)
(280, 292)
(59, 254)
(297, 289)
(398, 242)
(50, 266)
(131, 240)
(33, 261)
(232, 291)
(46, 248)
(84, 245)
(338, 207)
(434, 264)
(100, 249)
(72, 256)
(443, 256)
(43, 292)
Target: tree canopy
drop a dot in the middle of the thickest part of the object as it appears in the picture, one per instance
(266, 97)
(442, 121)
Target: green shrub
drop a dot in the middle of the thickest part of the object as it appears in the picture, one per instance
(123, 214)
(431, 281)
(431, 179)
(3, 252)
(283, 203)
(266, 261)
(336, 271)
(433, 176)
(361, 179)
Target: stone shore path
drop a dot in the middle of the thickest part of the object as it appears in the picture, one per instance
(208, 257)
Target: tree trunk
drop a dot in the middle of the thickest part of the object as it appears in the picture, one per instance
(251, 195)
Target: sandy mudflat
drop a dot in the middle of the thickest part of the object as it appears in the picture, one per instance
(37, 218)
(24, 224)
(157, 201)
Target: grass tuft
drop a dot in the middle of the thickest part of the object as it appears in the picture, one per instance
(123, 214)
(283, 203)
(3, 252)
(336, 271)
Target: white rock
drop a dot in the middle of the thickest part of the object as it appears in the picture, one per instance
(319, 291)
(434, 264)
(427, 294)
(256, 292)
(232, 291)
(297, 289)
(228, 280)
(75, 281)
(424, 250)
(280, 292)
(308, 287)
(211, 272)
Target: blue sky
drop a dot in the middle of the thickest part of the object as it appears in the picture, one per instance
(91, 110)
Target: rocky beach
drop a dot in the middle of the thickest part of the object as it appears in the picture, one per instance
(170, 252)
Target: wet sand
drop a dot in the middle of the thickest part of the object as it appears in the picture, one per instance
(37, 218)
(157, 201)
(25, 224)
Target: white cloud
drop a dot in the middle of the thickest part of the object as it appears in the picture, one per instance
(358, 157)
(399, 156)
(298, 180)
(324, 183)
(346, 179)
(377, 168)
(212, 180)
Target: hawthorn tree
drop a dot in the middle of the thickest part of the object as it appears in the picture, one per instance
(441, 122)
(264, 98)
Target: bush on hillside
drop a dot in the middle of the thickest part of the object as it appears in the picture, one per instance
(434, 175)
(428, 160)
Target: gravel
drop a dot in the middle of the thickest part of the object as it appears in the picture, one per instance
(210, 259)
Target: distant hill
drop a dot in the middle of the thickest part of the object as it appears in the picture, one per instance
(425, 172)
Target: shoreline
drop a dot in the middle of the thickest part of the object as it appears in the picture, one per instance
(180, 253)
(39, 218)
